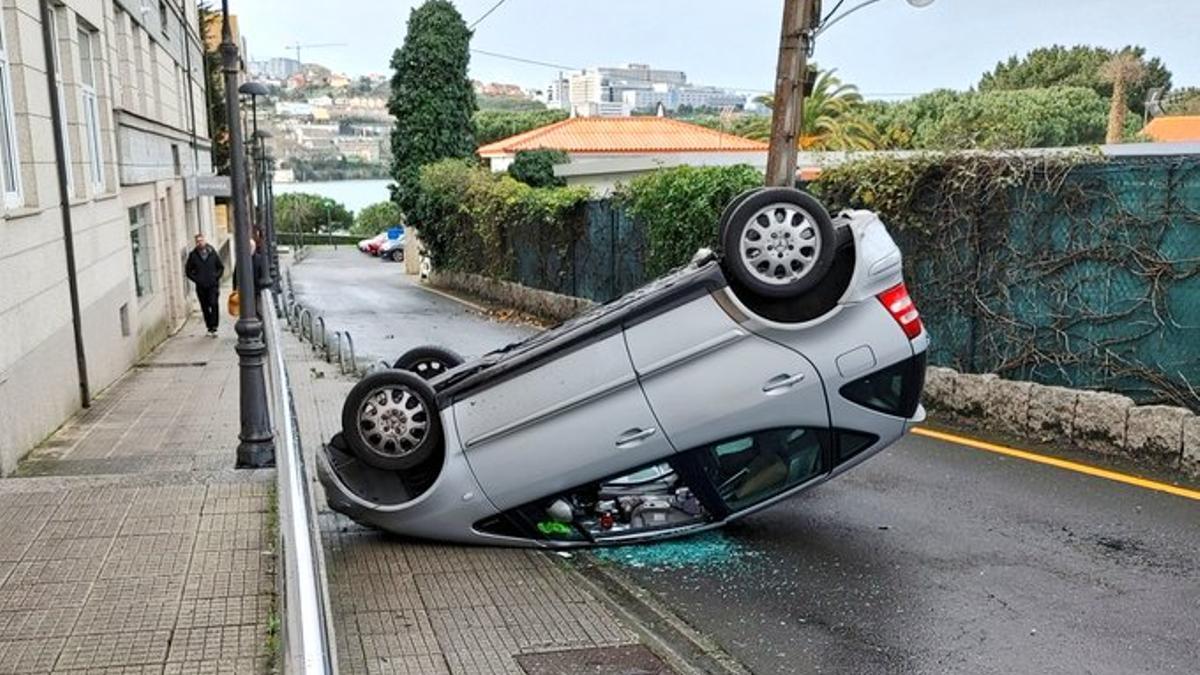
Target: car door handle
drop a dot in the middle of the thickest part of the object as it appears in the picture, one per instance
(780, 383)
(634, 437)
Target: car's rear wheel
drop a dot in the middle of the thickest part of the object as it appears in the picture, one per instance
(390, 420)
(428, 361)
(778, 242)
(398, 255)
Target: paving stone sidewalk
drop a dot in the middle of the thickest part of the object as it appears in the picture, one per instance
(422, 608)
(128, 543)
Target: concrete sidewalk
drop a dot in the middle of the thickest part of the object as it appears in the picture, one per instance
(128, 544)
(422, 608)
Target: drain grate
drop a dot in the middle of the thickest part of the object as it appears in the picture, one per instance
(632, 660)
(172, 364)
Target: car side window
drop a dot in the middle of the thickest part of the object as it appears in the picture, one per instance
(750, 469)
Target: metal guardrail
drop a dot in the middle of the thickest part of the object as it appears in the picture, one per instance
(307, 634)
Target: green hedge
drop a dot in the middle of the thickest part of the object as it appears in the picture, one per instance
(679, 209)
(469, 217)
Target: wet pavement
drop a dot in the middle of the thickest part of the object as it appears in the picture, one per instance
(931, 557)
(388, 312)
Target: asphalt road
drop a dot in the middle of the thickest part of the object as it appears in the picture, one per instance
(929, 558)
(386, 311)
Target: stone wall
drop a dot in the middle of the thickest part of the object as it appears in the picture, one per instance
(544, 304)
(1093, 421)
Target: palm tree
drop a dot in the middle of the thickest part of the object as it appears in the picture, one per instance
(1122, 70)
(832, 116)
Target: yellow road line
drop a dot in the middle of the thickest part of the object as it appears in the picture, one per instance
(1060, 463)
(478, 308)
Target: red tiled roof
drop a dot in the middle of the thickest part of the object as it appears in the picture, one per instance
(1174, 128)
(606, 135)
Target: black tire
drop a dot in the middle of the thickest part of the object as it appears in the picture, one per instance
(390, 420)
(428, 361)
(807, 247)
(398, 255)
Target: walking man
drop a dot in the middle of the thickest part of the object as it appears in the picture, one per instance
(205, 269)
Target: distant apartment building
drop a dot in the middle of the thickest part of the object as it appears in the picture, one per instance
(130, 81)
(557, 95)
(278, 68)
(615, 91)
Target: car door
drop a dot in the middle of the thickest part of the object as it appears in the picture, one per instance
(709, 379)
(577, 418)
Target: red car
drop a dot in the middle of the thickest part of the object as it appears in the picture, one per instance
(372, 245)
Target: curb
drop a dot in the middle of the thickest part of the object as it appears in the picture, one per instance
(1095, 422)
(544, 304)
(684, 648)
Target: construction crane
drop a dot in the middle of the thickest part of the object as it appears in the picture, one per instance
(297, 47)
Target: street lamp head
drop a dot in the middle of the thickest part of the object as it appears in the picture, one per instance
(257, 88)
(262, 134)
(920, 3)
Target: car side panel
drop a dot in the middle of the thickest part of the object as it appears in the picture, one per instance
(576, 419)
(707, 378)
(861, 339)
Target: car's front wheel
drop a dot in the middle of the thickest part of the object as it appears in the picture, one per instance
(428, 361)
(398, 255)
(390, 420)
(778, 242)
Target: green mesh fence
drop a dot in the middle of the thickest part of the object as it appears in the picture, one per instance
(1090, 284)
(1086, 281)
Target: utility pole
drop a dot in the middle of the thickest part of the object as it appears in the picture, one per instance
(795, 40)
(257, 446)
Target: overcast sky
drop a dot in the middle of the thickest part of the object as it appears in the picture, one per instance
(888, 50)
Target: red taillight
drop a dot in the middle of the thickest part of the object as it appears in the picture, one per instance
(902, 309)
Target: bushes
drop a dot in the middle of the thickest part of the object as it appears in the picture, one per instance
(679, 209)
(306, 212)
(536, 167)
(376, 218)
(494, 125)
(469, 218)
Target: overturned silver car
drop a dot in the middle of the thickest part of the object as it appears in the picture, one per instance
(717, 390)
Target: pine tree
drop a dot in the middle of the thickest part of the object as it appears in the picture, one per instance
(432, 98)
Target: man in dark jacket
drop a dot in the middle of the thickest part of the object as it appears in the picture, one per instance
(205, 269)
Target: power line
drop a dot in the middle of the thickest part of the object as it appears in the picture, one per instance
(751, 90)
(518, 59)
(486, 14)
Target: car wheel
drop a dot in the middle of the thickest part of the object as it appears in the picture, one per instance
(778, 242)
(390, 420)
(428, 362)
(398, 255)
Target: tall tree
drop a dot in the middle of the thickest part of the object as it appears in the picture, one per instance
(432, 98)
(833, 117)
(1123, 71)
(1021, 118)
(1077, 66)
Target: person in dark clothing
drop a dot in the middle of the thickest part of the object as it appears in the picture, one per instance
(262, 277)
(205, 269)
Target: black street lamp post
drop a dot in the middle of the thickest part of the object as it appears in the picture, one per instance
(256, 448)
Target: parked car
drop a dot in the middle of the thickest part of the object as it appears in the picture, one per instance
(392, 249)
(715, 391)
(371, 246)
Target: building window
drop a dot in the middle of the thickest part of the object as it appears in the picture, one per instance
(10, 164)
(89, 53)
(162, 18)
(139, 243)
(56, 16)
